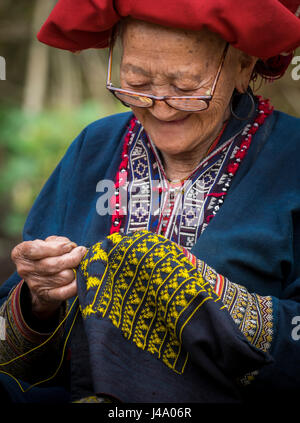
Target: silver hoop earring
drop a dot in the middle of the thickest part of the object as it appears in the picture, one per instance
(252, 106)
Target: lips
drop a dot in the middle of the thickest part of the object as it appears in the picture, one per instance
(175, 122)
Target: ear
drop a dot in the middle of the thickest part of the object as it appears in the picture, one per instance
(245, 70)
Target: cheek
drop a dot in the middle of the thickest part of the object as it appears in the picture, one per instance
(223, 93)
(218, 110)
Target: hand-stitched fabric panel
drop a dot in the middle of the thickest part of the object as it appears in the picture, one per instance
(147, 287)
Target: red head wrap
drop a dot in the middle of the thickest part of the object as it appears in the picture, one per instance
(261, 28)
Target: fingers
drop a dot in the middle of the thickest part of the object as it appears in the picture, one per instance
(39, 283)
(57, 238)
(46, 266)
(51, 265)
(38, 249)
(63, 292)
(48, 293)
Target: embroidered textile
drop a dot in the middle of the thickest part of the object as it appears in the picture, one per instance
(252, 313)
(148, 289)
(182, 210)
(19, 339)
(179, 211)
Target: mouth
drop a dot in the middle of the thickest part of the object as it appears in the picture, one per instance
(173, 123)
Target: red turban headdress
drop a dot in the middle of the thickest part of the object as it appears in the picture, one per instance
(261, 28)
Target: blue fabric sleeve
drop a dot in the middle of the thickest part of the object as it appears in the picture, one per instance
(255, 242)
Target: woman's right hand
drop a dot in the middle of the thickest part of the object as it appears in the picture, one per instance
(47, 268)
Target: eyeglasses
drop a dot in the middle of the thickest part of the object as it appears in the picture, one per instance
(187, 103)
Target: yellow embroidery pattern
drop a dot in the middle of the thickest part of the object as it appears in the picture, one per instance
(149, 290)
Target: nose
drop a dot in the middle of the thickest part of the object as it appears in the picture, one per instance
(162, 111)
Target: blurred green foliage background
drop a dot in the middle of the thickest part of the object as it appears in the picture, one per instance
(31, 145)
(48, 97)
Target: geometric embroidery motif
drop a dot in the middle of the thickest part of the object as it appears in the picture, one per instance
(147, 288)
(252, 313)
(180, 213)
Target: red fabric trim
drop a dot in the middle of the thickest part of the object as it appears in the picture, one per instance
(121, 178)
(189, 256)
(19, 322)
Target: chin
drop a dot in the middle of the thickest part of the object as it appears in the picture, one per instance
(165, 145)
(172, 140)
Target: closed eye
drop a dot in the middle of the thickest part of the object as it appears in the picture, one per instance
(139, 87)
(191, 91)
(185, 90)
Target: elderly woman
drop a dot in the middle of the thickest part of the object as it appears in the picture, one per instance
(187, 272)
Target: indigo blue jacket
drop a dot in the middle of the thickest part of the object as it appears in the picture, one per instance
(254, 240)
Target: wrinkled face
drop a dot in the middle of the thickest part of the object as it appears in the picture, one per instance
(163, 61)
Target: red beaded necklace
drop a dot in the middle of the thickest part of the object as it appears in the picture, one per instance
(121, 179)
(264, 110)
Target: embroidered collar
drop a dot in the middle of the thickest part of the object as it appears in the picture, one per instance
(180, 212)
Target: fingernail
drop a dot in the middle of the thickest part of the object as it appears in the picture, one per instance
(69, 246)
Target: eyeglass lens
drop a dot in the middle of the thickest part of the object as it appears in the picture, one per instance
(190, 104)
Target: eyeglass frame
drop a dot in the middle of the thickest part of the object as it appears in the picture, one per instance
(205, 98)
